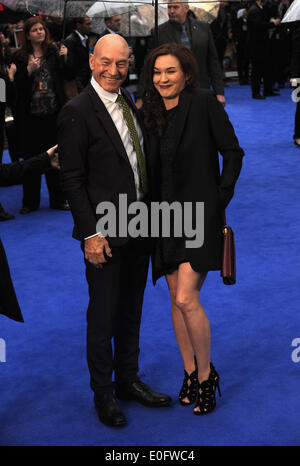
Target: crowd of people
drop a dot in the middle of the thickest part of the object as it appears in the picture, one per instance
(162, 146)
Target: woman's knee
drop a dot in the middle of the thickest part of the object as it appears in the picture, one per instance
(186, 302)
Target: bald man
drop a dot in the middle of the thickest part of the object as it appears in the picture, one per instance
(99, 161)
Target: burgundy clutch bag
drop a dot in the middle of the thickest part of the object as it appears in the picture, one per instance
(228, 271)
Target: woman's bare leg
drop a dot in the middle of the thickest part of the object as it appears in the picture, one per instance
(190, 322)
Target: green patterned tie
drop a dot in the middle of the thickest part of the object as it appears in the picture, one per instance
(135, 142)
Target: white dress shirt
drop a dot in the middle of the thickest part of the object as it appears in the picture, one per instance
(116, 114)
(83, 39)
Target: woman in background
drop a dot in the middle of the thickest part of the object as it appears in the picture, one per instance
(41, 70)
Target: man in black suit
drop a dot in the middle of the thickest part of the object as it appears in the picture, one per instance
(11, 174)
(78, 50)
(197, 36)
(259, 26)
(100, 159)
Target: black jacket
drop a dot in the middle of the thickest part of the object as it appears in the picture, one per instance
(94, 164)
(259, 26)
(11, 174)
(79, 59)
(202, 129)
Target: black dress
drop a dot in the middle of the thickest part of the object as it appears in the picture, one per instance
(169, 252)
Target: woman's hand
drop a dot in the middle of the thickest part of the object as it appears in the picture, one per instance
(221, 99)
(53, 154)
(33, 64)
(11, 71)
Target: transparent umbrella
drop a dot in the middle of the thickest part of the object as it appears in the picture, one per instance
(139, 17)
(55, 8)
(292, 13)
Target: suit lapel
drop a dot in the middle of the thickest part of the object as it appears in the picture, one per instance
(106, 121)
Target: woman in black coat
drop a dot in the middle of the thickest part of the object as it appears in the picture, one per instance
(187, 128)
(11, 174)
(39, 83)
(295, 73)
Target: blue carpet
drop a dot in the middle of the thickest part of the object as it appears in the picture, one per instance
(45, 394)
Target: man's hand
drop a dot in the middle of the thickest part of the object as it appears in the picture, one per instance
(138, 103)
(221, 98)
(94, 249)
(54, 157)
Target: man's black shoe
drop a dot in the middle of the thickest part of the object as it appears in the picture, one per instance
(63, 206)
(258, 97)
(140, 392)
(26, 210)
(271, 94)
(5, 215)
(109, 411)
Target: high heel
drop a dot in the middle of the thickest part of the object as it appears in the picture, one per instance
(206, 399)
(189, 391)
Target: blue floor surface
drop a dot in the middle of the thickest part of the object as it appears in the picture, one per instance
(45, 394)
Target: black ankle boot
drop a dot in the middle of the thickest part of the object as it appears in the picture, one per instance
(189, 390)
(206, 399)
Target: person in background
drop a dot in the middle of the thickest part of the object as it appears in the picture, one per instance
(78, 47)
(259, 26)
(295, 75)
(113, 25)
(40, 71)
(195, 35)
(7, 72)
(11, 174)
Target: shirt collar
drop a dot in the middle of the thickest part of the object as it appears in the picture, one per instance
(83, 38)
(105, 95)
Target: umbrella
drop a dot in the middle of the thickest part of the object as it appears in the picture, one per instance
(139, 17)
(292, 13)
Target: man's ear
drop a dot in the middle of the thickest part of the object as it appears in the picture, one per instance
(92, 61)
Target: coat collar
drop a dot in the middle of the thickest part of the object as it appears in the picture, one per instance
(108, 124)
(106, 121)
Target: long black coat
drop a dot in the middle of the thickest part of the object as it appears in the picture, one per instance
(202, 129)
(11, 174)
(259, 26)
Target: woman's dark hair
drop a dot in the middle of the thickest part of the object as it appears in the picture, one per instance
(26, 48)
(153, 106)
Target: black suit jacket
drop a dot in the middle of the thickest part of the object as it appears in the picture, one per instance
(203, 48)
(94, 164)
(11, 174)
(78, 56)
(202, 129)
(259, 26)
